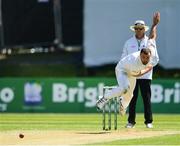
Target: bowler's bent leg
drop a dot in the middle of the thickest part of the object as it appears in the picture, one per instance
(126, 98)
(122, 88)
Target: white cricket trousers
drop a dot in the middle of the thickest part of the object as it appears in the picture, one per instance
(125, 88)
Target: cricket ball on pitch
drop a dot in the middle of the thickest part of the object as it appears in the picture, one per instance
(21, 135)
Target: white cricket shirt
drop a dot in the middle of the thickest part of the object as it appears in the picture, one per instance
(132, 64)
(133, 45)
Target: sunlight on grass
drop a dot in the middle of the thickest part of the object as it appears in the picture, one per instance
(90, 122)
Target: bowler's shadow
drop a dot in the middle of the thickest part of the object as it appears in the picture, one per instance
(102, 132)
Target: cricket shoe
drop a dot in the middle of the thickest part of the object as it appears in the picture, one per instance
(122, 109)
(101, 102)
(129, 125)
(149, 125)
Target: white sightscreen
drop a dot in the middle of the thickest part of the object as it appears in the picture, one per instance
(106, 28)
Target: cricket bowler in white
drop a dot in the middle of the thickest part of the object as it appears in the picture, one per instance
(129, 68)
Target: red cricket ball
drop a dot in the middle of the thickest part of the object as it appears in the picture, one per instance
(21, 135)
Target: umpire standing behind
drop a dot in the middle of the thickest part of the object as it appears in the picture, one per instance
(134, 44)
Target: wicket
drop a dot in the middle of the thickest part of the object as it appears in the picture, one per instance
(109, 108)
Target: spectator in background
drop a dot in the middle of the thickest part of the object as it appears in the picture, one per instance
(134, 44)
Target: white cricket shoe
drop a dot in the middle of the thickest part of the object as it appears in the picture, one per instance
(129, 125)
(101, 102)
(122, 109)
(149, 125)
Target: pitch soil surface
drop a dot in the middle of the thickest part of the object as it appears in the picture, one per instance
(74, 137)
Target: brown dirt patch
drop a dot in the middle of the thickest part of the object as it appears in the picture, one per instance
(74, 137)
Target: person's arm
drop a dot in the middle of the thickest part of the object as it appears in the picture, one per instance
(143, 71)
(154, 56)
(153, 31)
(152, 36)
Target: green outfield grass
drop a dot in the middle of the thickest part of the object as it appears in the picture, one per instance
(92, 123)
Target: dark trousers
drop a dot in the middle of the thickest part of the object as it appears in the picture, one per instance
(145, 88)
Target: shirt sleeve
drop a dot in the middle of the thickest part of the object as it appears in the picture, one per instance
(154, 55)
(124, 52)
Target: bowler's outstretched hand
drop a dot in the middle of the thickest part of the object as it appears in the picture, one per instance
(156, 18)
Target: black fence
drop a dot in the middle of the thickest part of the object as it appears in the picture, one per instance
(29, 23)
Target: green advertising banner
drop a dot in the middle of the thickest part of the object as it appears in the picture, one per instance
(76, 95)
